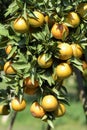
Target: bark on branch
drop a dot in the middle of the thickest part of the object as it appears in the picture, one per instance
(12, 120)
(82, 93)
(48, 127)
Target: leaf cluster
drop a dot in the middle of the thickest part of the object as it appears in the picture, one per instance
(27, 48)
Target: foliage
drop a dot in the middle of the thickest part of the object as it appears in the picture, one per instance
(26, 48)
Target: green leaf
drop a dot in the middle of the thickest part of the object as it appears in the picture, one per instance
(50, 123)
(44, 117)
(20, 65)
(3, 30)
(19, 3)
(24, 12)
(76, 61)
(13, 7)
(47, 76)
(12, 52)
(78, 67)
(21, 82)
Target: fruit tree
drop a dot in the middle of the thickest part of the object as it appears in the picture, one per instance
(42, 42)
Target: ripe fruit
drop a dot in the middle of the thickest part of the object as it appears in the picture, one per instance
(60, 111)
(49, 103)
(47, 19)
(63, 70)
(4, 109)
(8, 69)
(21, 25)
(65, 51)
(17, 105)
(43, 62)
(60, 31)
(84, 65)
(82, 10)
(28, 83)
(8, 49)
(73, 19)
(36, 21)
(77, 50)
(37, 110)
(30, 91)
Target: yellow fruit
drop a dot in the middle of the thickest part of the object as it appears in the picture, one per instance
(8, 69)
(60, 111)
(17, 105)
(63, 70)
(65, 51)
(82, 10)
(59, 31)
(43, 63)
(49, 103)
(37, 110)
(21, 25)
(8, 49)
(73, 19)
(36, 21)
(77, 50)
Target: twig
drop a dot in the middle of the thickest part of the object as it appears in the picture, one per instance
(12, 120)
(48, 127)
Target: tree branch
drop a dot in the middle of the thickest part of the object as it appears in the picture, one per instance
(12, 120)
(48, 127)
(82, 93)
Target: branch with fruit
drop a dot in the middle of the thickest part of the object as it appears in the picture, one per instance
(41, 45)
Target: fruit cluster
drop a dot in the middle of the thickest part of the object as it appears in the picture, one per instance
(42, 50)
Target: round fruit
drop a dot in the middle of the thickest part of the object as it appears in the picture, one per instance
(21, 25)
(77, 50)
(8, 69)
(60, 111)
(63, 70)
(28, 83)
(59, 31)
(49, 103)
(37, 110)
(47, 19)
(73, 19)
(8, 49)
(17, 105)
(36, 21)
(43, 62)
(65, 51)
(4, 109)
(82, 10)
(84, 65)
(30, 91)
